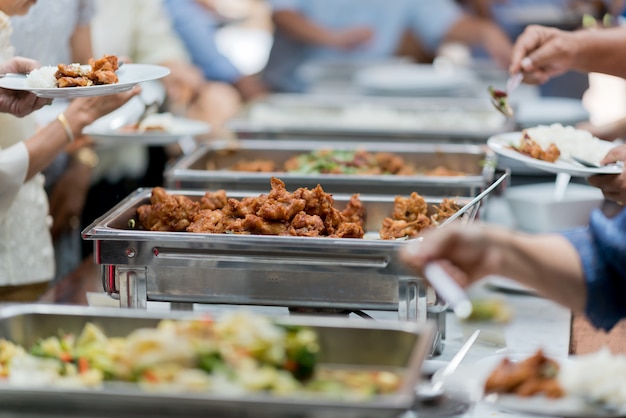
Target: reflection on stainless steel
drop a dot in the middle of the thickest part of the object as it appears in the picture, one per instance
(455, 119)
(399, 346)
(208, 168)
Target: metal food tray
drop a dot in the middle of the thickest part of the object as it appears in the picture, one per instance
(208, 168)
(330, 117)
(399, 346)
(322, 272)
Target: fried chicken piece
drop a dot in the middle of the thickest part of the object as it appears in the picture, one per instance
(214, 200)
(106, 63)
(70, 70)
(260, 226)
(103, 77)
(445, 209)
(534, 375)
(409, 209)
(255, 166)
(348, 230)
(354, 211)
(167, 212)
(400, 228)
(280, 204)
(246, 206)
(73, 82)
(304, 225)
(207, 221)
(531, 148)
(391, 163)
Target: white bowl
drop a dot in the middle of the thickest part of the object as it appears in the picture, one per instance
(536, 209)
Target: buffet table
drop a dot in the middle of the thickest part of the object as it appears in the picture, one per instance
(537, 323)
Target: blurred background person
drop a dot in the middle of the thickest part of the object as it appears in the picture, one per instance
(63, 39)
(317, 30)
(26, 251)
(197, 22)
(143, 33)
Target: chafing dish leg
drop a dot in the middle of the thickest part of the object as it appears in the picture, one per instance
(413, 304)
(133, 288)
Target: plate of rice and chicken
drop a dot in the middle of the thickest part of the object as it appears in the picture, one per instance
(586, 386)
(98, 78)
(553, 148)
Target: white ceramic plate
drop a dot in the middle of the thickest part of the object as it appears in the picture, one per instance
(502, 144)
(106, 134)
(129, 75)
(468, 381)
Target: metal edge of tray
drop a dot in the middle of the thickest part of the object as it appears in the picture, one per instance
(181, 173)
(246, 128)
(119, 400)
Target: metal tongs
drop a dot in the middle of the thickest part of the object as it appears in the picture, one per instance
(500, 98)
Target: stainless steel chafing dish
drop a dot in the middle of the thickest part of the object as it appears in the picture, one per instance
(370, 118)
(398, 346)
(208, 168)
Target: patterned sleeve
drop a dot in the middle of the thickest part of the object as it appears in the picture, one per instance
(602, 248)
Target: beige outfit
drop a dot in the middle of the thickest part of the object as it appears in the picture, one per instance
(143, 33)
(26, 252)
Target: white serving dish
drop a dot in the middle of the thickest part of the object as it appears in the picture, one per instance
(536, 209)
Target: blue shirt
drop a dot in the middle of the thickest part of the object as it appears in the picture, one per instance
(430, 20)
(196, 26)
(602, 249)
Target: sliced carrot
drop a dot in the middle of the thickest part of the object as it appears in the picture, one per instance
(83, 365)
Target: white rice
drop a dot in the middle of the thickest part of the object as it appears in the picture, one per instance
(42, 78)
(570, 141)
(599, 377)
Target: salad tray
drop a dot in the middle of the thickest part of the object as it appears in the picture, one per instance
(400, 346)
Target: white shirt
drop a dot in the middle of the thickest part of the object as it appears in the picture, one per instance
(26, 251)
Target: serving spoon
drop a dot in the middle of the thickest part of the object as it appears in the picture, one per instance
(500, 98)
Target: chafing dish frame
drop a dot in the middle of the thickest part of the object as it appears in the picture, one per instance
(192, 172)
(394, 345)
(245, 128)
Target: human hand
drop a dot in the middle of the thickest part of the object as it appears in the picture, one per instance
(467, 253)
(541, 53)
(613, 186)
(183, 83)
(84, 110)
(351, 38)
(20, 103)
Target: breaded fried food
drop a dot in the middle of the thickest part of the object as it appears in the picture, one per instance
(532, 376)
(531, 148)
(101, 71)
(167, 212)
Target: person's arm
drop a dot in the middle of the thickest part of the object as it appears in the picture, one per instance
(80, 43)
(474, 31)
(196, 27)
(16, 102)
(549, 264)
(49, 141)
(298, 27)
(542, 52)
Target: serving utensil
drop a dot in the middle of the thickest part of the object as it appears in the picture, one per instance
(448, 289)
(500, 98)
(434, 389)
